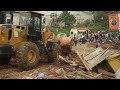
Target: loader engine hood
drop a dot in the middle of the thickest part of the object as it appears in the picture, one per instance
(11, 34)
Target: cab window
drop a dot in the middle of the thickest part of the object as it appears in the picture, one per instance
(37, 22)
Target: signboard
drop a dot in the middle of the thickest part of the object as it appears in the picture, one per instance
(113, 22)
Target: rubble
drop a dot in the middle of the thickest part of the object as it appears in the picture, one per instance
(94, 58)
(76, 65)
(106, 73)
(27, 78)
(60, 71)
(83, 61)
(117, 74)
(40, 75)
(52, 71)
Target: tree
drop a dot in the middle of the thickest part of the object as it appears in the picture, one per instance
(67, 18)
(53, 22)
(102, 17)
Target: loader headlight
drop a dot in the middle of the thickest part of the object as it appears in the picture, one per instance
(12, 47)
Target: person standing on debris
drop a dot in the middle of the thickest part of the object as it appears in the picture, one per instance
(98, 44)
(96, 37)
(75, 40)
(92, 36)
(89, 38)
(83, 40)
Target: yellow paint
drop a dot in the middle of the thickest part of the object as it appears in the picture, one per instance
(15, 41)
(47, 34)
(3, 38)
(115, 64)
(114, 61)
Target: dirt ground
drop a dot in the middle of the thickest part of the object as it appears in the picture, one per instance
(12, 71)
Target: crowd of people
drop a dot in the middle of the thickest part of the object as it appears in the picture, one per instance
(98, 37)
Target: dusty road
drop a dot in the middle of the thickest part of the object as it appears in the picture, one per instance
(12, 71)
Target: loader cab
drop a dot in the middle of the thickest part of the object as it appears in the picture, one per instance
(29, 19)
(35, 26)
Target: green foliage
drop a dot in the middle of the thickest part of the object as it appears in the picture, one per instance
(80, 76)
(54, 22)
(115, 33)
(87, 23)
(97, 28)
(64, 30)
(60, 30)
(100, 22)
(91, 26)
(67, 18)
(102, 17)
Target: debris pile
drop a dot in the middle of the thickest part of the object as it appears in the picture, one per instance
(80, 66)
(72, 59)
(85, 64)
(76, 66)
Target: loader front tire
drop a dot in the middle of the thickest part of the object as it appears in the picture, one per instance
(27, 55)
(53, 56)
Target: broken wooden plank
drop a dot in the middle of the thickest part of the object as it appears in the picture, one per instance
(97, 76)
(84, 52)
(69, 73)
(65, 77)
(68, 61)
(94, 54)
(86, 63)
(85, 75)
(103, 54)
(107, 77)
(106, 73)
(81, 67)
(93, 57)
(99, 58)
(82, 60)
(89, 53)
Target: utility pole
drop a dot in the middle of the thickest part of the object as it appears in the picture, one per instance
(77, 18)
(56, 20)
(94, 17)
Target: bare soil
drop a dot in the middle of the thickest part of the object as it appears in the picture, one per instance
(12, 71)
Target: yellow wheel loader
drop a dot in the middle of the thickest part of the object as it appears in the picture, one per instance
(21, 38)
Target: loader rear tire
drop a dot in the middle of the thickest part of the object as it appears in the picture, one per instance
(27, 55)
(53, 56)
